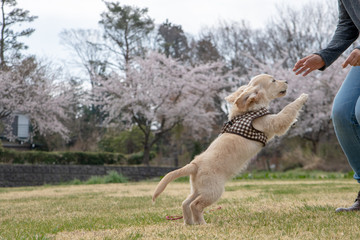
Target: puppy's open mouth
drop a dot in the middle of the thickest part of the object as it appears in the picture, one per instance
(283, 92)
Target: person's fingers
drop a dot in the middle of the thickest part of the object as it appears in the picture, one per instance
(300, 63)
(353, 62)
(353, 59)
(302, 69)
(297, 66)
(345, 63)
(308, 71)
(348, 61)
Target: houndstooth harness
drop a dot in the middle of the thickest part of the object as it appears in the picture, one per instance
(242, 125)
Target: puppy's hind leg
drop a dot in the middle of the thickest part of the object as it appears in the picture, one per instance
(197, 209)
(204, 200)
(188, 218)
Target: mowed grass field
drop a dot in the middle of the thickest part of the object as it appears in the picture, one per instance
(251, 209)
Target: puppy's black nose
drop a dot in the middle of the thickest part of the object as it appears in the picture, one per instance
(286, 82)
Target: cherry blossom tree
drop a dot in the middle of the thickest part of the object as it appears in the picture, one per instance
(32, 89)
(159, 93)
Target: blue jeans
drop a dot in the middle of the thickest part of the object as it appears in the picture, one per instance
(346, 119)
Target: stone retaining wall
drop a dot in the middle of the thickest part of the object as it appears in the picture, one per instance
(32, 175)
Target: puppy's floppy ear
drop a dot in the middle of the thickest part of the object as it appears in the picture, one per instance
(232, 97)
(249, 98)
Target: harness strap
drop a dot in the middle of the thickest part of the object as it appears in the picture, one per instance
(242, 126)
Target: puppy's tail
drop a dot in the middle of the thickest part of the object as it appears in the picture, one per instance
(184, 171)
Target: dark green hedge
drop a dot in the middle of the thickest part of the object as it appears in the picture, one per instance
(81, 158)
(137, 158)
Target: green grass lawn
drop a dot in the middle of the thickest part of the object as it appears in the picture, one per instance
(251, 209)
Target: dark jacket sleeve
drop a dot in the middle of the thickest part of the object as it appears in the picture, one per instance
(345, 34)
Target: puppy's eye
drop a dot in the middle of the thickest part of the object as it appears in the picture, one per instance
(273, 80)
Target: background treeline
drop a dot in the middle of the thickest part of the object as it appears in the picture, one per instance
(157, 91)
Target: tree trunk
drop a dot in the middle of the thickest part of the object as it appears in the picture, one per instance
(267, 162)
(176, 160)
(147, 147)
(314, 146)
(2, 38)
(146, 157)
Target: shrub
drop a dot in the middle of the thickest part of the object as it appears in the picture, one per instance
(94, 180)
(36, 157)
(124, 142)
(137, 158)
(7, 156)
(115, 177)
(111, 177)
(294, 174)
(80, 158)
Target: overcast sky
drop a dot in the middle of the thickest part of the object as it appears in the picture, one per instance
(56, 15)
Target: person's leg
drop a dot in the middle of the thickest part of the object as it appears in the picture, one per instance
(346, 116)
(345, 122)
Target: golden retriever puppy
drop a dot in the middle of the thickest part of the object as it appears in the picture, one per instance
(230, 152)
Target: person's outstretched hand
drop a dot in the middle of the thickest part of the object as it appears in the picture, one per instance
(308, 64)
(353, 59)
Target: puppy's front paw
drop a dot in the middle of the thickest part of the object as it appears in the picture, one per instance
(303, 97)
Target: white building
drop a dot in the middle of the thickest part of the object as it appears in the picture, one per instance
(21, 127)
